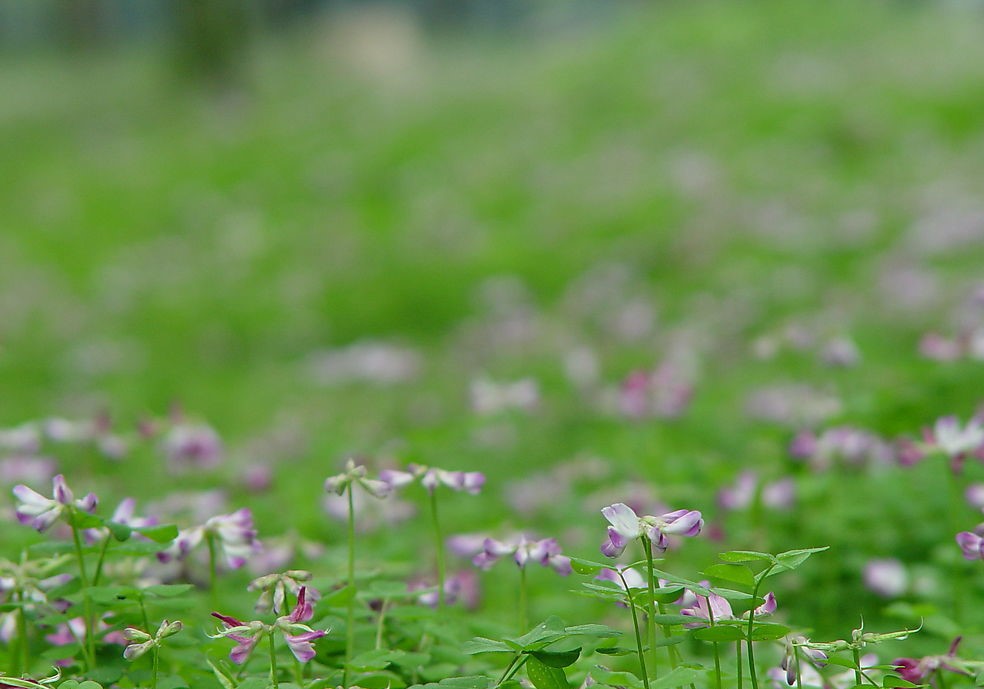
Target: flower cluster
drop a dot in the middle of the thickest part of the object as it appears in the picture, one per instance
(627, 526)
(431, 477)
(233, 533)
(545, 552)
(41, 512)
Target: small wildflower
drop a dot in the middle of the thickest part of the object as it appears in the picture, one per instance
(431, 477)
(141, 641)
(887, 577)
(627, 526)
(355, 474)
(299, 636)
(275, 587)
(41, 512)
(971, 543)
(523, 550)
(718, 608)
(234, 533)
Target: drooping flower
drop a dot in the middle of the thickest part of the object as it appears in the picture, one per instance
(41, 512)
(355, 474)
(627, 526)
(718, 608)
(431, 477)
(917, 670)
(299, 637)
(191, 446)
(954, 440)
(459, 586)
(545, 552)
(233, 533)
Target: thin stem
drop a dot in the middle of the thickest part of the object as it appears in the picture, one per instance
(516, 668)
(523, 617)
(212, 570)
(940, 680)
(799, 675)
(273, 662)
(738, 661)
(157, 664)
(381, 624)
(24, 657)
(350, 621)
(439, 542)
(651, 612)
(717, 651)
(857, 665)
(102, 557)
(143, 612)
(89, 642)
(506, 672)
(635, 626)
(751, 623)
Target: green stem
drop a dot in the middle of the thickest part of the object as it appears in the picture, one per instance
(517, 667)
(717, 651)
(958, 570)
(143, 612)
(799, 675)
(22, 657)
(381, 624)
(523, 617)
(635, 626)
(212, 570)
(350, 622)
(439, 542)
(651, 612)
(102, 557)
(273, 662)
(89, 643)
(751, 623)
(157, 664)
(738, 662)
(940, 680)
(857, 666)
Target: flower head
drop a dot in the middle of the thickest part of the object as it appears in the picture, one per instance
(356, 474)
(141, 641)
(431, 477)
(626, 526)
(299, 636)
(275, 587)
(41, 512)
(233, 533)
(545, 552)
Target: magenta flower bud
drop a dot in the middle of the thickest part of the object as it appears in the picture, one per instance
(971, 544)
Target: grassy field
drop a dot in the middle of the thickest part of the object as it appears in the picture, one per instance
(736, 191)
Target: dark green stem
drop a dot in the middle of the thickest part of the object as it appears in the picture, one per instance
(799, 675)
(940, 680)
(273, 662)
(635, 626)
(439, 543)
(738, 662)
(857, 665)
(381, 623)
(651, 611)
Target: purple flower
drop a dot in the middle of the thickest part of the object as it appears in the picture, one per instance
(523, 550)
(192, 447)
(275, 587)
(299, 636)
(461, 586)
(971, 543)
(704, 607)
(627, 526)
(233, 533)
(41, 512)
(431, 477)
(954, 440)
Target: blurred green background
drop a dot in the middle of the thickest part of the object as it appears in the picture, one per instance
(319, 232)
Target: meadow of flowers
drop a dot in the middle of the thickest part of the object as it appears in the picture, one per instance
(615, 360)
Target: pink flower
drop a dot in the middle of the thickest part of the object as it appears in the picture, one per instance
(627, 526)
(41, 512)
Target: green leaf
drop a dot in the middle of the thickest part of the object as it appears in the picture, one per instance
(581, 566)
(121, 532)
(673, 619)
(719, 633)
(791, 559)
(177, 682)
(225, 680)
(616, 679)
(168, 590)
(557, 658)
(601, 631)
(738, 574)
(337, 598)
(84, 520)
(111, 595)
(678, 677)
(731, 594)
(545, 676)
(254, 683)
(482, 645)
(618, 650)
(159, 533)
(745, 556)
(894, 681)
(769, 632)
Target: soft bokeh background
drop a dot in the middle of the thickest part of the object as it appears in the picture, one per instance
(450, 232)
